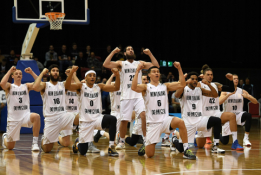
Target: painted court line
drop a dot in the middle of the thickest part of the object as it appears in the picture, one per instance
(195, 171)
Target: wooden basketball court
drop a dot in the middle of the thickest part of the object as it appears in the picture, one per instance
(61, 160)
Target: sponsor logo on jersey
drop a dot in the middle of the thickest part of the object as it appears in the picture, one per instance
(158, 111)
(193, 98)
(194, 114)
(19, 93)
(20, 108)
(130, 70)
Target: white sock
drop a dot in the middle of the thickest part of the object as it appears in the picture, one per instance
(35, 140)
(234, 136)
(102, 133)
(95, 132)
(122, 140)
(246, 136)
(144, 139)
(166, 136)
(111, 143)
(185, 146)
(216, 141)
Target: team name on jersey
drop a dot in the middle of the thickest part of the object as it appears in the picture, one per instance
(55, 109)
(91, 111)
(71, 94)
(234, 100)
(158, 94)
(91, 95)
(211, 108)
(71, 108)
(55, 93)
(194, 114)
(192, 97)
(20, 108)
(19, 93)
(158, 111)
(131, 70)
(118, 93)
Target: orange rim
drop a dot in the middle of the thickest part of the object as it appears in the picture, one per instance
(54, 15)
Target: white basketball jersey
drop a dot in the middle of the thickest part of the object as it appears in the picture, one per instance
(18, 102)
(156, 102)
(210, 104)
(54, 99)
(191, 105)
(235, 102)
(126, 75)
(72, 101)
(115, 101)
(90, 103)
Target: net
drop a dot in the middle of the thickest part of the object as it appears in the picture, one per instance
(55, 19)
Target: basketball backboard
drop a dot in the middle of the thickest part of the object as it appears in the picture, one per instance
(33, 11)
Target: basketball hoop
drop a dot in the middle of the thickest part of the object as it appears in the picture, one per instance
(55, 19)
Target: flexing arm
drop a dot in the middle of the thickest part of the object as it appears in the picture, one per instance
(69, 78)
(230, 87)
(31, 72)
(110, 80)
(37, 85)
(111, 64)
(179, 93)
(115, 86)
(4, 82)
(154, 61)
(249, 97)
(181, 83)
(211, 93)
(135, 86)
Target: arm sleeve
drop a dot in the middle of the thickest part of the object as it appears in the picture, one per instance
(229, 88)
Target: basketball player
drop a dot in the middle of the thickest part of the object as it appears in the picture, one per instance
(18, 107)
(233, 102)
(54, 107)
(130, 100)
(157, 113)
(191, 109)
(90, 112)
(211, 108)
(137, 128)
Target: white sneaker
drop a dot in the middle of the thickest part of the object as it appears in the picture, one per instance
(246, 142)
(215, 149)
(3, 140)
(35, 147)
(92, 148)
(165, 142)
(120, 146)
(172, 147)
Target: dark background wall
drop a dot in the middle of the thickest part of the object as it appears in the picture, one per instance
(223, 34)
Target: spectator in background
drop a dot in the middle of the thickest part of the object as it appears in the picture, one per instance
(3, 68)
(142, 56)
(12, 56)
(106, 53)
(170, 77)
(175, 103)
(105, 96)
(64, 59)
(98, 80)
(1, 56)
(94, 63)
(250, 89)
(15, 62)
(241, 82)
(39, 64)
(88, 51)
(162, 78)
(82, 63)
(74, 53)
(105, 73)
(51, 56)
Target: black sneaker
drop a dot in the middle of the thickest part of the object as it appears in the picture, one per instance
(188, 154)
(75, 147)
(112, 151)
(97, 136)
(141, 151)
(140, 141)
